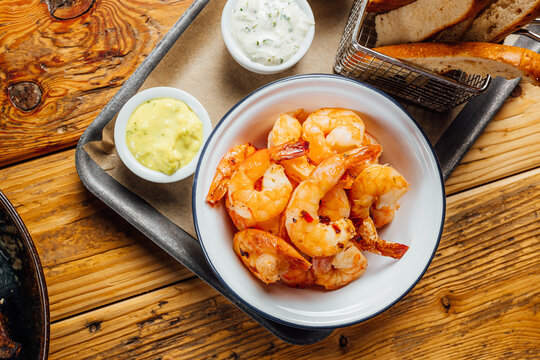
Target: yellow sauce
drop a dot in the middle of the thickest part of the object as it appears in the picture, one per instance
(164, 134)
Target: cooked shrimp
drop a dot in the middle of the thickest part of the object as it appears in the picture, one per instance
(332, 131)
(286, 129)
(306, 231)
(352, 173)
(260, 205)
(226, 167)
(267, 256)
(334, 205)
(369, 139)
(368, 239)
(336, 271)
(298, 278)
(272, 225)
(377, 190)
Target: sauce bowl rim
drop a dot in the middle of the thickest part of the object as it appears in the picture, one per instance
(120, 131)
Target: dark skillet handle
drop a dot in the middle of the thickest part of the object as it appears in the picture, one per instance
(469, 124)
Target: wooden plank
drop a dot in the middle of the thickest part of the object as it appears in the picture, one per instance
(478, 299)
(65, 221)
(78, 64)
(81, 285)
(509, 144)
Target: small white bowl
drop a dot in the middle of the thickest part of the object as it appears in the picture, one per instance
(120, 133)
(251, 65)
(418, 223)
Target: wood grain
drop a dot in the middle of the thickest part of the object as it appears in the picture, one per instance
(77, 63)
(475, 301)
(510, 143)
(93, 258)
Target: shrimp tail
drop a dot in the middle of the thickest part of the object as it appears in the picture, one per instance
(369, 240)
(289, 151)
(226, 167)
(218, 189)
(363, 155)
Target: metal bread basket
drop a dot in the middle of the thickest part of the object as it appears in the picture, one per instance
(355, 59)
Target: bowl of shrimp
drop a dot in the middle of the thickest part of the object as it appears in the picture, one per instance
(318, 201)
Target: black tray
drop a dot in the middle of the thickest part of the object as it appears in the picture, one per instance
(183, 247)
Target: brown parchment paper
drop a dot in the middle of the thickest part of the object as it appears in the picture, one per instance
(200, 64)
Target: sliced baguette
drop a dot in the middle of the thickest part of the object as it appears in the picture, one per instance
(386, 5)
(423, 19)
(454, 32)
(472, 58)
(502, 18)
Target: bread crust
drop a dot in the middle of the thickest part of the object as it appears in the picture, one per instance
(525, 60)
(386, 5)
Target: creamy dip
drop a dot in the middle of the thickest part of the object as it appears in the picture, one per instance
(269, 32)
(164, 134)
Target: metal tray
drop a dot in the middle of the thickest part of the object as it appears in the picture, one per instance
(183, 247)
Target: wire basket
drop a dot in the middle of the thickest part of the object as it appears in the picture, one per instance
(355, 59)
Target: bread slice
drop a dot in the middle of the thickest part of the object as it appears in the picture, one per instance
(502, 18)
(423, 19)
(386, 5)
(472, 58)
(454, 32)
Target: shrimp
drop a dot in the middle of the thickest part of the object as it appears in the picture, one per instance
(369, 240)
(272, 225)
(369, 139)
(352, 173)
(332, 131)
(267, 256)
(298, 278)
(376, 191)
(260, 205)
(334, 205)
(286, 129)
(304, 227)
(336, 271)
(226, 167)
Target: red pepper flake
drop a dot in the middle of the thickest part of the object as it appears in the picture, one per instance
(258, 184)
(324, 219)
(340, 245)
(244, 253)
(336, 228)
(306, 216)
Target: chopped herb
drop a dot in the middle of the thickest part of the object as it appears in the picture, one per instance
(281, 61)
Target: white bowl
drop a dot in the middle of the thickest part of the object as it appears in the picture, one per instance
(251, 65)
(120, 133)
(418, 223)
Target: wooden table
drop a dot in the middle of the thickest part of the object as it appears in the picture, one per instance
(114, 294)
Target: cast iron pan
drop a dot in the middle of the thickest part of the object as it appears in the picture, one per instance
(24, 304)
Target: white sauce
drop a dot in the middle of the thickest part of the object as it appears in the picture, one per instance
(269, 32)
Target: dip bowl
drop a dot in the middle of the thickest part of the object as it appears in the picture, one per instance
(120, 133)
(418, 223)
(251, 65)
